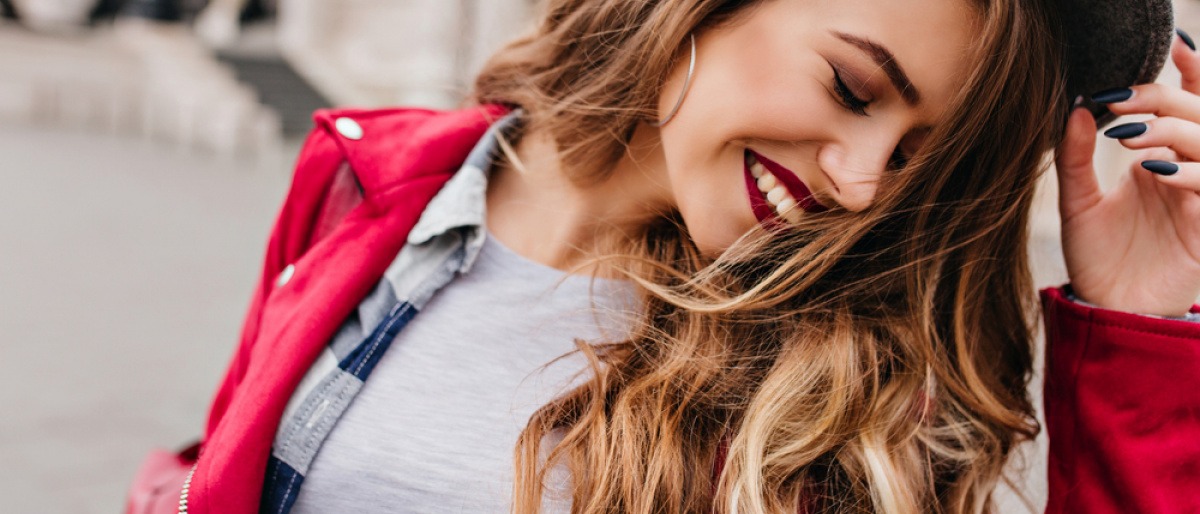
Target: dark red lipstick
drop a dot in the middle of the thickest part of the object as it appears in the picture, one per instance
(762, 210)
(791, 181)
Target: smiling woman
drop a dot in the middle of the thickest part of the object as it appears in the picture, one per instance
(816, 263)
(760, 256)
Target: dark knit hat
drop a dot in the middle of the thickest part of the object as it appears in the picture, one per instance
(1112, 44)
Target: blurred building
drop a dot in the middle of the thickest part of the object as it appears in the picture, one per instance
(380, 52)
(235, 76)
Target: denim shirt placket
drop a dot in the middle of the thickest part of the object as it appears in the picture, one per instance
(443, 244)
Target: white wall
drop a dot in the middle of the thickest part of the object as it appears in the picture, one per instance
(396, 52)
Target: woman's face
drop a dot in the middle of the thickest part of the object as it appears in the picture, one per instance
(814, 99)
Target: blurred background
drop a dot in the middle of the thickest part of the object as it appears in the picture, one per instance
(146, 146)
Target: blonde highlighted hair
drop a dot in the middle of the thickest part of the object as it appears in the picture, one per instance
(874, 361)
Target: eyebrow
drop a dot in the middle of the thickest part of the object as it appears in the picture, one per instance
(886, 60)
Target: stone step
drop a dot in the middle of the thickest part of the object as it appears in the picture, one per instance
(257, 62)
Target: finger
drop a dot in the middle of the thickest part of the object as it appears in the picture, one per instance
(1184, 176)
(1182, 136)
(1187, 60)
(1158, 154)
(1078, 188)
(1156, 99)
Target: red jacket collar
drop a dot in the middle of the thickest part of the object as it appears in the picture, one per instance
(397, 145)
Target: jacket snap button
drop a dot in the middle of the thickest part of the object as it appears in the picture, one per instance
(285, 275)
(348, 128)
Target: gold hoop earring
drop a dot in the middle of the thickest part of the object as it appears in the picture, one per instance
(687, 82)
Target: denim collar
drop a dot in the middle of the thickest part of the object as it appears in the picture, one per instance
(460, 207)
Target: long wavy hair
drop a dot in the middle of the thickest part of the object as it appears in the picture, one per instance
(872, 361)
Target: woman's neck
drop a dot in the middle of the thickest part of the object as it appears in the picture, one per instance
(542, 215)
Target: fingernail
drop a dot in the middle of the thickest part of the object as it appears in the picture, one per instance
(1112, 96)
(1187, 40)
(1127, 130)
(1161, 167)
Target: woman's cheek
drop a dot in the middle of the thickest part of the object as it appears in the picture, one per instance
(716, 208)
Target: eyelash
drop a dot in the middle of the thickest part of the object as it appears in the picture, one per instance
(859, 106)
(855, 104)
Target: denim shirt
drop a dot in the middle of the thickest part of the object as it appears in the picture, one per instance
(444, 242)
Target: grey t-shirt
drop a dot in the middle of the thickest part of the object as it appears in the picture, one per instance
(434, 428)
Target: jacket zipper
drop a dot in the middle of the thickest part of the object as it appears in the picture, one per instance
(187, 486)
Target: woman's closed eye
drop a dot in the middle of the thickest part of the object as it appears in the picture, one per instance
(849, 100)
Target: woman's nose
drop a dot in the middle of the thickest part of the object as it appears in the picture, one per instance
(855, 170)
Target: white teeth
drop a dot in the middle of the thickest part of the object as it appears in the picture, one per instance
(785, 205)
(791, 216)
(757, 170)
(777, 195)
(789, 210)
(767, 182)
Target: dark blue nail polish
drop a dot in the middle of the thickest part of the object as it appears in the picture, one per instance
(1161, 167)
(1112, 96)
(1187, 40)
(1127, 130)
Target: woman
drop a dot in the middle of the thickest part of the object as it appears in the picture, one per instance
(785, 237)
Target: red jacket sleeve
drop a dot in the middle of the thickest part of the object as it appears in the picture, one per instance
(1122, 399)
(324, 189)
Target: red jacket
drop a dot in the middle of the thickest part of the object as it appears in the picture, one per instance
(1122, 391)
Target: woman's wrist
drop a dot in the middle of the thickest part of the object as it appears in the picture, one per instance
(1069, 292)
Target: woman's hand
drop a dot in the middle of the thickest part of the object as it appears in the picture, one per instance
(1137, 248)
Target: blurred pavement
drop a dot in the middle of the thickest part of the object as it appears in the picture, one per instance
(124, 268)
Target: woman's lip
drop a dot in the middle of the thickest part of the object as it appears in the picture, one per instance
(762, 210)
(792, 183)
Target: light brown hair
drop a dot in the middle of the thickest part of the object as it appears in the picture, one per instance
(874, 361)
